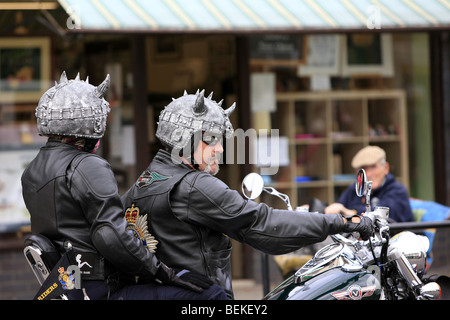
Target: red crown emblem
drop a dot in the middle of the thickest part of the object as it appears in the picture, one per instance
(131, 214)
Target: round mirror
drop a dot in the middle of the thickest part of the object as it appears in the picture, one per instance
(252, 186)
(361, 183)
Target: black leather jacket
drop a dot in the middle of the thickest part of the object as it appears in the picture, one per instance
(193, 215)
(73, 195)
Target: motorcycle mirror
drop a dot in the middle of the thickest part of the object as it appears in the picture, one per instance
(361, 183)
(252, 186)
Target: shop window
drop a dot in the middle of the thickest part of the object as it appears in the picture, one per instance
(337, 99)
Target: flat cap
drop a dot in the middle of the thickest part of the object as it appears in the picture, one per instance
(368, 156)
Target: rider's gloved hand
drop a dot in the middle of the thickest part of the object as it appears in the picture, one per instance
(360, 224)
(196, 278)
(169, 276)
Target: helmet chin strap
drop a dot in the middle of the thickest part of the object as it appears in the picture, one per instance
(186, 161)
(196, 166)
(189, 158)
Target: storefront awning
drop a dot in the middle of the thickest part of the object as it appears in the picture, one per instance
(254, 15)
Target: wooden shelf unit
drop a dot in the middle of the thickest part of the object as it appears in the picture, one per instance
(326, 129)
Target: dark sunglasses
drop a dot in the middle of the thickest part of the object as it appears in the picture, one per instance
(211, 140)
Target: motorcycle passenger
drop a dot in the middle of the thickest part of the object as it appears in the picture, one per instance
(72, 196)
(386, 190)
(193, 214)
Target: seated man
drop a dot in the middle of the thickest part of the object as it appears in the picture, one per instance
(386, 190)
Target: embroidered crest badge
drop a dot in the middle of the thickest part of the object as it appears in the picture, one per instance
(148, 177)
(138, 224)
(67, 280)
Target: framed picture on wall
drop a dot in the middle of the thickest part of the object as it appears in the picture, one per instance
(367, 54)
(24, 68)
(324, 55)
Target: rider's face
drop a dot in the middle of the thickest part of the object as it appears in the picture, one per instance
(207, 155)
(376, 173)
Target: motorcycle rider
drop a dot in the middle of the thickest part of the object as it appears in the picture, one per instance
(194, 214)
(72, 196)
(386, 190)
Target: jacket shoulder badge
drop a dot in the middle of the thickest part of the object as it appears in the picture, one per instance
(148, 177)
(138, 224)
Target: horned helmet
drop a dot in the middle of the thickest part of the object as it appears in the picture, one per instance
(73, 108)
(191, 114)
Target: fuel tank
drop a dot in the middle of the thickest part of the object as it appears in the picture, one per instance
(334, 284)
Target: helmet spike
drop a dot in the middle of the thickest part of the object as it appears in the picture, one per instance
(87, 80)
(230, 109)
(210, 95)
(63, 78)
(77, 77)
(199, 107)
(184, 93)
(220, 103)
(100, 91)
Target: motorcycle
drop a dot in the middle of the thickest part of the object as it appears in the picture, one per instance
(381, 268)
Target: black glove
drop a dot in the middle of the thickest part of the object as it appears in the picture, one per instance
(360, 224)
(195, 278)
(169, 276)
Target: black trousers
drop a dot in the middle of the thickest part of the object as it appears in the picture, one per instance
(99, 290)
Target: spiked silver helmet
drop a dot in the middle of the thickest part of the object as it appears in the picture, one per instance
(193, 113)
(73, 108)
